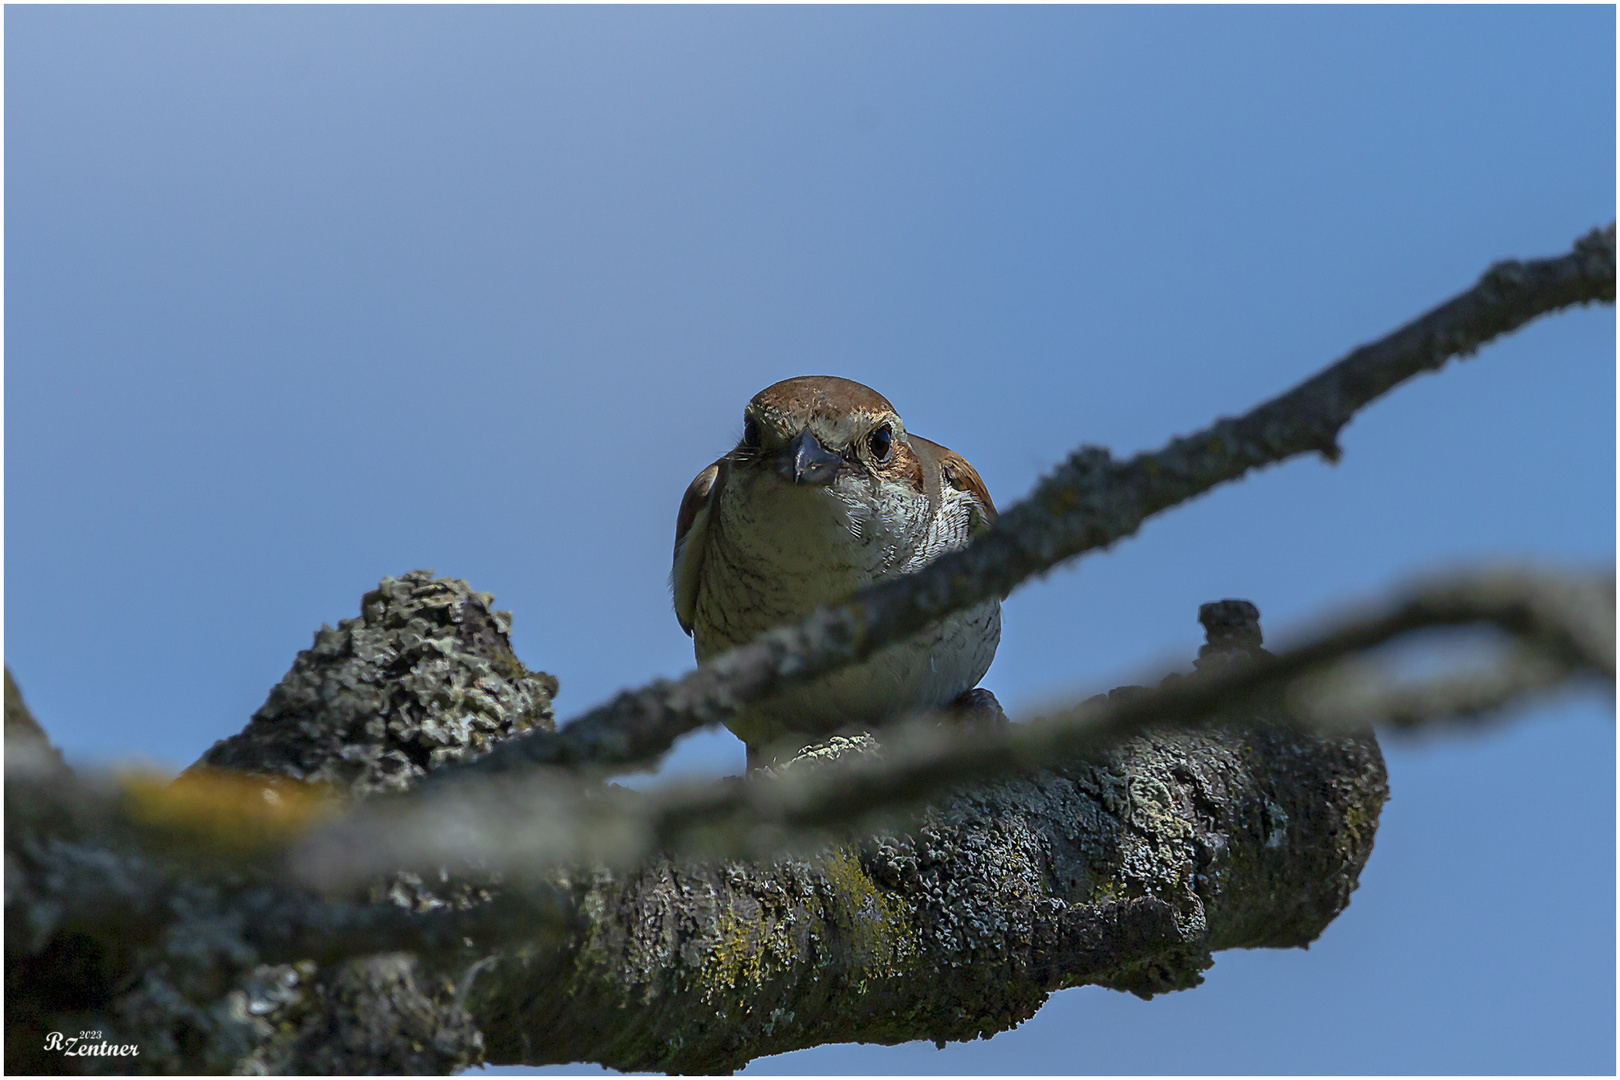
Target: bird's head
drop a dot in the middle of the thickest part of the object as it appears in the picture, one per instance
(821, 431)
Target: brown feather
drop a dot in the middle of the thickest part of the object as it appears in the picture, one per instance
(695, 499)
(690, 524)
(825, 395)
(959, 474)
(904, 465)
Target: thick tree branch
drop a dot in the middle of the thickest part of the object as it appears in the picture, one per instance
(1089, 502)
(1124, 870)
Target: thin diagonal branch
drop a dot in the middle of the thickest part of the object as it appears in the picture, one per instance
(1347, 697)
(1088, 502)
(523, 824)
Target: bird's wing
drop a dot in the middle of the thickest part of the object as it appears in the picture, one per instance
(956, 471)
(690, 526)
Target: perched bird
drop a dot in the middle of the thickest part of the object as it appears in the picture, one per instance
(827, 492)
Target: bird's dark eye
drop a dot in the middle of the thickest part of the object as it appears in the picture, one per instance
(750, 434)
(881, 443)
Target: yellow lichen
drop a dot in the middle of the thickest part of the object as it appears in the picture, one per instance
(225, 812)
(1103, 893)
(746, 952)
(878, 922)
(737, 957)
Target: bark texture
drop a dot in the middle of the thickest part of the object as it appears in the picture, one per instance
(1126, 869)
(1126, 872)
(426, 675)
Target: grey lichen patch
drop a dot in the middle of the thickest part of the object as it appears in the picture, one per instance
(832, 749)
(381, 1014)
(425, 675)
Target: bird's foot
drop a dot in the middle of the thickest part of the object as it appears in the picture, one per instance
(977, 708)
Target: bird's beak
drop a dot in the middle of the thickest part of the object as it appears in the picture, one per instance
(806, 461)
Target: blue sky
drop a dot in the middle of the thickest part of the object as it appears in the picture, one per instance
(300, 297)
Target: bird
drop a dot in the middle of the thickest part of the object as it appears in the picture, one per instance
(825, 492)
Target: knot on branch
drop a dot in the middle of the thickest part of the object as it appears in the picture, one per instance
(425, 675)
(1231, 628)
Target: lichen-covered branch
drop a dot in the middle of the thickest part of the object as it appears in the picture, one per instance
(1127, 869)
(1088, 502)
(161, 915)
(1125, 872)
